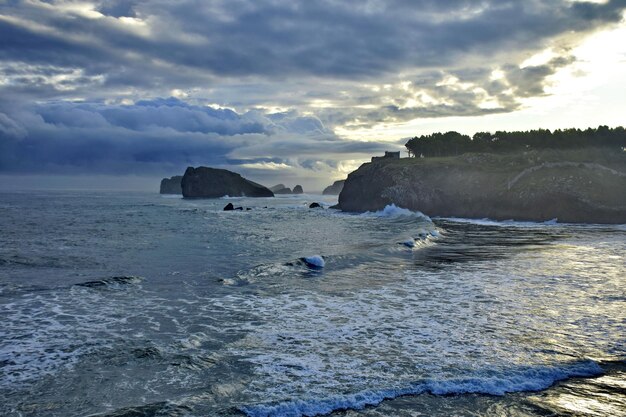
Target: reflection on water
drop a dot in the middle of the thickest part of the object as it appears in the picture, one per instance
(601, 396)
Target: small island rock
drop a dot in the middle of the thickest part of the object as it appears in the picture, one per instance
(280, 189)
(205, 182)
(171, 185)
(298, 189)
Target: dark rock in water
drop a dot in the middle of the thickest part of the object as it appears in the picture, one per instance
(171, 185)
(577, 186)
(104, 282)
(146, 353)
(230, 207)
(298, 189)
(248, 208)
(336, 207)
(204, 182)
(314, 205)
(280, 189)
(334, 189)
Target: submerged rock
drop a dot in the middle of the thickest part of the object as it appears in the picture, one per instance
(110, 281)
(204, 182)
(583, 186)
(171, 185)
(298, 189)
(314, 205)
(335, 188)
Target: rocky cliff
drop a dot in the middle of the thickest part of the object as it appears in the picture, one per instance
(583, 186)
(204, 182)
(171, 185)
(334, 189)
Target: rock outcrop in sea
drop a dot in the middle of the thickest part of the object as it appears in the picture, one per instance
(335, 188)
(581, 186)
(280, 189)
(298, 189)
(205, 182)
(171, 185)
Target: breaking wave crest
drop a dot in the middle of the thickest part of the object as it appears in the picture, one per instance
(393, 211)
(518, 380)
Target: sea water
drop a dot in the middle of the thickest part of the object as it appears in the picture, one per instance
(142, 305)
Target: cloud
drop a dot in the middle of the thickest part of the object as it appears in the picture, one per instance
(163, 136)
(263, 84)
(11, 129)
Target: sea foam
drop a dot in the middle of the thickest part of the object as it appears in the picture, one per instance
(518, 380)
(315, 261)
(393, 211)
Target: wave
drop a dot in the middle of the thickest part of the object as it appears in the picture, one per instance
(489, 222)
(524, 379)
(393, 211)
(529, 224)
(314, 261)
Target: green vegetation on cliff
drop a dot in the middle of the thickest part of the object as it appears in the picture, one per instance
(454, 143)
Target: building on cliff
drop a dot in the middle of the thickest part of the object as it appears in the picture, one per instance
(388, 155)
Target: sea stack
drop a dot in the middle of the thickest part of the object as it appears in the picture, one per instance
(205, 182)
(280, 189)
(171, 185)
(334, 189)
(298, 189)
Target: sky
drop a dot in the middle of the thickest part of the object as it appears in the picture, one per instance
(118, 94)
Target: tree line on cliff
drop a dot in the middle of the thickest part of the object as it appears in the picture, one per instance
(454, 143)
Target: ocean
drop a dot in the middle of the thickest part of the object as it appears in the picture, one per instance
(136, 304)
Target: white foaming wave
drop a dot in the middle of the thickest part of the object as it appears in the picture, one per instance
(315, 261)
(522, 380)
(529, 224)
(393, 211)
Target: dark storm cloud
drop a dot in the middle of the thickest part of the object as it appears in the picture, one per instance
(291, 71)
(159, 136)
(275, 39)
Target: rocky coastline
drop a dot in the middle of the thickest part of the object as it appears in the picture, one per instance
(583, 186)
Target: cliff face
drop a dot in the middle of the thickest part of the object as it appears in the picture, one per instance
(334, 189)
(578, 186)
(171, 185)
(204, 182)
